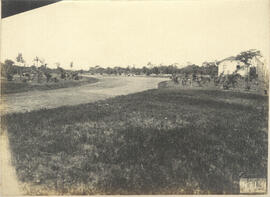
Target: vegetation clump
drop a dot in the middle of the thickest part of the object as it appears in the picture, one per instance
(16, 77)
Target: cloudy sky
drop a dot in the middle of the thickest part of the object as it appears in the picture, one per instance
(122, 33)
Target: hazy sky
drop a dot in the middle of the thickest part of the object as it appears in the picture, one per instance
(119, 33)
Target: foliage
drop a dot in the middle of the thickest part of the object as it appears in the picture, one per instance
(61, 70)
(9, 63)
(7, 69)
(207, 68)
(175, 79)
(19, 58)
(36, 59)
(231, 81)
(253, 74)
(210, 68)
(75, 75)
(246, 56)
(16, 87)
(161, 69)
(48, 76)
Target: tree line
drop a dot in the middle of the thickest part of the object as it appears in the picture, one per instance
(9, 67)
(208, 68)
(18, 67)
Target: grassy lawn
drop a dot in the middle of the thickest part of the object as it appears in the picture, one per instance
(154, 142)
(8, 87)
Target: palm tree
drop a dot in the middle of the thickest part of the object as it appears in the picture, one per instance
(149, 64)
(20, 59)
(21, 62)
(42, 62)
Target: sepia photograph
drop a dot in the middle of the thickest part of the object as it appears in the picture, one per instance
(127, 97)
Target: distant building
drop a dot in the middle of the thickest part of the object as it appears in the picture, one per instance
(261, 71)
(230, 65)
(261, 68)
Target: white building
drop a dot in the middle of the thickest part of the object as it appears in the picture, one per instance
(230, 65)
(261, 68)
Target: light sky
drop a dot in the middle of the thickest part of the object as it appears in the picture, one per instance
(118, 33)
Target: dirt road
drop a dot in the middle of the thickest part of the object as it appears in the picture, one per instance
(27, 101)
(105, 88)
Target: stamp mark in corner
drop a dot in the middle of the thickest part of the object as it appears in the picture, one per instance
(253, 185)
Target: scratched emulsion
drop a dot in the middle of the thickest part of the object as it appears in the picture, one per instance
(9, 183)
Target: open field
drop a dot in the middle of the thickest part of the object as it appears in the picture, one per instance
(11, 87)
(161, 141)
(106, 87)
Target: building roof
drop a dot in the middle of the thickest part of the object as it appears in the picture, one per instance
(232, 58)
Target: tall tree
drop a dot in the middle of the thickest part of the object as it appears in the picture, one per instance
(155, 70)
(7, 69)
(20, 59)
(36, 59)
(71, 65)
(150, 65)
(246, 56)
(9, 62)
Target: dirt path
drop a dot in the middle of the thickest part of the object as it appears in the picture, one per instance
(105, 88)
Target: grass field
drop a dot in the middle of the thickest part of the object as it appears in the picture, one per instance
(154, 142)
(8, 87)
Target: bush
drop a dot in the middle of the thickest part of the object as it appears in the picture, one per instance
(48, 76)
(9, 77)
(175, 79)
